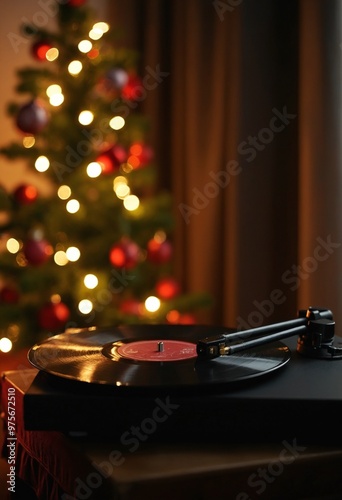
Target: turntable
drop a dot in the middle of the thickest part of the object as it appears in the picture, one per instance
(191, 382)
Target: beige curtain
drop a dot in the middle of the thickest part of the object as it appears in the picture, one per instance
(247, 127)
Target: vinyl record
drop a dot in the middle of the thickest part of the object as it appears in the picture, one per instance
(150, 356)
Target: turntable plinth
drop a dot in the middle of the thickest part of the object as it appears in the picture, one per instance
(61, 466)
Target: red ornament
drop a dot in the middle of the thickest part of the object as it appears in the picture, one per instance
(37, 251)
(53, 316)
(159, 252)
(176, 318)
(75, 3)
(25, 194)
(130, 306)
(167, 288)
(39, 50)
(140, 155)
(124, 254)
(9, 295)
(134, 89)
(32, 117)
(111, 159)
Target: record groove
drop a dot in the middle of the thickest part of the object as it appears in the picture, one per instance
(132, 356)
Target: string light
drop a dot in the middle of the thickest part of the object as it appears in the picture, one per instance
(122, 190)
(5, 344)
(120, 179)
(117, 123)
(75, 67)
(98, 30)
(73, 254)
(56, 100)
(94, 169)
(64, 192)
(85, 117)
(85, 46)
(91, 281)
(61, 258)
(53, 89)
(13, 245)
(52, 54)
(85, 306)
(29, 141)
(131, 202)
(101, 26)
(126, 167)
(54, 92)
(159, 236)
(73, 206)
(42, 163)
(152, 303)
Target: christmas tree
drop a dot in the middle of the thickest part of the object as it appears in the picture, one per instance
(97, 250)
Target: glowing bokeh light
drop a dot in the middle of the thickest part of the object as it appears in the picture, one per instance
(94, 169)
(42, 164)
(117, 123)
(64, 192)
(29, 141)
(91, 281)
(85, 46)
(152, 303)
(85, 306)
(85, 117)
(75, 67)
(73, 254)
(13, 245)
(131, 202)
(5, 344)
(61, 258)
(73, 206)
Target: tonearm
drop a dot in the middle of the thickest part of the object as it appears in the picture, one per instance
(314, 326)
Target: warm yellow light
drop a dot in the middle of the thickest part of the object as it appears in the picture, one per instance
(13, 245)
(29, 141)
(95, 34)
(64, 192)
(85, 46)
(61, 258)
(56, 100)
(73, 206)
(122, 190)
(56, 298)
(52, 54)
(131, 202)
(120, 179)
(160, 236)
(73, 254)
(91, 281)
(42, 164)
(5, 344)
(53, 89)
(117, 122)
(126, 167)
(94, 169)
(75, 67)
(101, 26)
(152, 304)
(85, 117)
(85, 306)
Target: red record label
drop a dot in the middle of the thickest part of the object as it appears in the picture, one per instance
(158, 350)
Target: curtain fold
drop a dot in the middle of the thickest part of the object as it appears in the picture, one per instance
(247, 133)
(320, 174)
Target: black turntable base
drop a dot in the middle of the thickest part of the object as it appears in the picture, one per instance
(166, 399)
